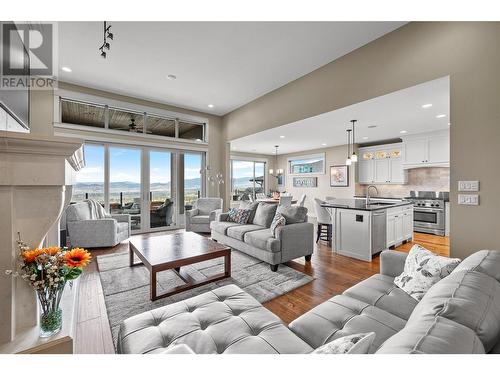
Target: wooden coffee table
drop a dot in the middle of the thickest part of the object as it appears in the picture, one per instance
(172, 251)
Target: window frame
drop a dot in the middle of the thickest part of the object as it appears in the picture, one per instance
(321, 156)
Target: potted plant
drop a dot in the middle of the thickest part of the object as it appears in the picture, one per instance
(48, 270)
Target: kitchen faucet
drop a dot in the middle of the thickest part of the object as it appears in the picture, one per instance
(368, 193)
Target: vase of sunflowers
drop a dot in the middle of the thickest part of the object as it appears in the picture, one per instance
(48, 270)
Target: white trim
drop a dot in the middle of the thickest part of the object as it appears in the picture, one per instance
(321, 155)
(248, 158)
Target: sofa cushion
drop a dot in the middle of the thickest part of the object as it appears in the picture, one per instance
(263, 239)
(433, 335)
(484, 261)
(422, 270)
(252, 206)
(222, 226)
(200, 219)
(238, 232)
(469, 298)
(224, 320)
(380, 291)
(278, 222)
(341, 316)
(293, 214)
(264, 214)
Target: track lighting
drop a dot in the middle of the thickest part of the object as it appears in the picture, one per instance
(107, 34)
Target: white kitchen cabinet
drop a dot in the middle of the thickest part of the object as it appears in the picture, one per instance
(399, 225)
(353, 233)
(381, 165)
(365, 171)
(382, 171)
(427, 150)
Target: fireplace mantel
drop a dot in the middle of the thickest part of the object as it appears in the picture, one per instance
(36, 178)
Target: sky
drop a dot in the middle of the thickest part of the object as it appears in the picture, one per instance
(125, 165)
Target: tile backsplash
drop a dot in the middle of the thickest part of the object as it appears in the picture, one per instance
(435, 179)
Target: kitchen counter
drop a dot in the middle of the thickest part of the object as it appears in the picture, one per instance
(360, 204)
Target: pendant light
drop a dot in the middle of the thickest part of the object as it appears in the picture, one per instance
(354, 157)
(278, 171)
(348, 160)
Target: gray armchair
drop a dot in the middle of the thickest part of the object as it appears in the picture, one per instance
(86, 231)
(204, 211)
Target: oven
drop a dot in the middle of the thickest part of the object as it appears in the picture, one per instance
(429, 220)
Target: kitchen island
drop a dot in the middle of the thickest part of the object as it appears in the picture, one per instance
(361, 229)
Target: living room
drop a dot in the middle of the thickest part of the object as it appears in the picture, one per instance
(262, 201)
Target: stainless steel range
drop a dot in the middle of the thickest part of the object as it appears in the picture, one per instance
(429, 211)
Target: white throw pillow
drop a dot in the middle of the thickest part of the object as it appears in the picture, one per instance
(358, 343)
(278, 221)
(422, 270)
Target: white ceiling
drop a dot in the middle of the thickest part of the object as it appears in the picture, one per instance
(392, 113)
(227, 64)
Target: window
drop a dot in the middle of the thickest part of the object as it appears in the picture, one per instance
(309, 164)
(247, 179)
(192, 178)
(78, 113)
(90, 180)
(133, 121)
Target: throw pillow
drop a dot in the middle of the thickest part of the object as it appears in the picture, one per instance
(293, 214)
(237, 215)
(422, 270)
(358, 343)
(264, 214)
(278, 221)
(252, 206)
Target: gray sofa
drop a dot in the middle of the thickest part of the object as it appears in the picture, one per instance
(459, 314)
(84, 231)
(203, 213)
(294, 240)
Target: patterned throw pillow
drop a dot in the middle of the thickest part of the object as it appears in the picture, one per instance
(278, 221)
(238, 215)
(358, 343)
(422, 270)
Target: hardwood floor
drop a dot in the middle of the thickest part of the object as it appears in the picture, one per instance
(333, 274)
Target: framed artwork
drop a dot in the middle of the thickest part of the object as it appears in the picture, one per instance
(281, 179)
(305, 182)
(339, 176)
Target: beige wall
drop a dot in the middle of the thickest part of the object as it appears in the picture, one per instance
(430, 179)
(44, 106)
(334, 156)
(469, 52)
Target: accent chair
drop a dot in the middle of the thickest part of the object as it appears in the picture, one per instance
(204, 211)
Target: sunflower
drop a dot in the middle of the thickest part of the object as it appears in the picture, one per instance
(51, 250)
(29, 256)
(77, 257)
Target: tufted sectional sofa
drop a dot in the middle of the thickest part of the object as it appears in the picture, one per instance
(459, 314)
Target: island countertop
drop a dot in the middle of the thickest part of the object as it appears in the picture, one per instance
(360, 204)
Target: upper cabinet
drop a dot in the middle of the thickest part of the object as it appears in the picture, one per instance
(426, 150)
(381, 165)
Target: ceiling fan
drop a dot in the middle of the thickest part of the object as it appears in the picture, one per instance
(133, 127)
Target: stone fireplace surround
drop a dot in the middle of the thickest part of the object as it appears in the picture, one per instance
(36, 177)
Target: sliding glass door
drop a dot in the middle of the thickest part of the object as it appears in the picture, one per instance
(248, 178)
(154, 186)
(161, 193)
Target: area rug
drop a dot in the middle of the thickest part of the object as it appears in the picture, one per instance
(126, 289)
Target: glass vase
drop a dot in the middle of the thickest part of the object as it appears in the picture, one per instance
(50, 312)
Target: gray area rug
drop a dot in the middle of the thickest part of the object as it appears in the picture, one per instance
(126, 289)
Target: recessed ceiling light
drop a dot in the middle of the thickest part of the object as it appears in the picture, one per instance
(198, 140)
(428, 105)
(171, 77)
(403, 132)
(210, 106)
(323, 144)
(66, 69)
(449, 123)
(282, 136)
(365, 138)
(440, 116)
(372, 126)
